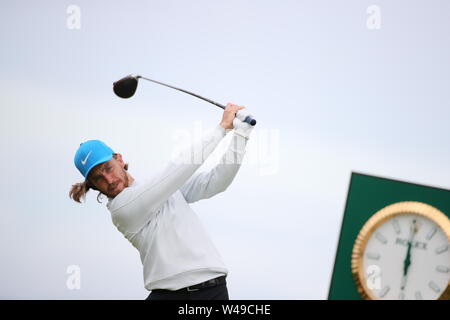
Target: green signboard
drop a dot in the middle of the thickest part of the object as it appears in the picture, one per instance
(367, 195)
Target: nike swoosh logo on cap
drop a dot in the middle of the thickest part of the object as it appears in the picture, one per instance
(83, 162)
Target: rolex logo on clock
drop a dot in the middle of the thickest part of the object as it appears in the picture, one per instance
(403, 252)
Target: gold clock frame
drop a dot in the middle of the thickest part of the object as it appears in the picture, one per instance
(381, 216)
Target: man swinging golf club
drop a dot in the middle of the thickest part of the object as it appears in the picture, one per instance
(179, 259)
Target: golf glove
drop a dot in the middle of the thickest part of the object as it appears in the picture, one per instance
(240, 127)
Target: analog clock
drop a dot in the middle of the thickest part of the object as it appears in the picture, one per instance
(403, 252)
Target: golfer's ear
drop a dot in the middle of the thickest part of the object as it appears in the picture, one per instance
(118, 157)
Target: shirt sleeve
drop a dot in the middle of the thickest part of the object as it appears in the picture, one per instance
(203, 185)
(134, 207)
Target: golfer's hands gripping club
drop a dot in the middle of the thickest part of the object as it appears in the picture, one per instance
(233, 118)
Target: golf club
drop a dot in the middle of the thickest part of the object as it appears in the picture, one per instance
(126, 87)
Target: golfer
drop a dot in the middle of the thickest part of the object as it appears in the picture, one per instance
(179, 260)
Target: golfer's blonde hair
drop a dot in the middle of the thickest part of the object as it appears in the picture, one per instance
(79, 190)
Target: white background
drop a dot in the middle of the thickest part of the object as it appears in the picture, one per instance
(339, 96)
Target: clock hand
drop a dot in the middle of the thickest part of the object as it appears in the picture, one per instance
(407, 261)
(406, 264)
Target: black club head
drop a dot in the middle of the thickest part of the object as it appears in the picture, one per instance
(126, 87)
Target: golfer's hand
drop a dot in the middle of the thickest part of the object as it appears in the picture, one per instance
(242, 128)
(229, 114)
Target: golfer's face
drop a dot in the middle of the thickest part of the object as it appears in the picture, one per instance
(110, 177)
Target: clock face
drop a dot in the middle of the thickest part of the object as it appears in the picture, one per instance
(406, 257)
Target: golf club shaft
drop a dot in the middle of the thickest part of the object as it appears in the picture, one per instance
(249, 120)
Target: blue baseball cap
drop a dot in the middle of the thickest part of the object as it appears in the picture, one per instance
(90, 154)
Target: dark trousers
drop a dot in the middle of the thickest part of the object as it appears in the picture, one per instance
(219, 292)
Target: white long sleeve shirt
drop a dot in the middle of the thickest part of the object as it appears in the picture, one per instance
(155, 216)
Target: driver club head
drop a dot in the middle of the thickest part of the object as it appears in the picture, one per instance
(126, 87)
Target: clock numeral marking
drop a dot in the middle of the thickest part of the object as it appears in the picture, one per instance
(396, 226)
(434, 287)
(431, 233)
(418, 295)
(441, 249)
(384, 291)
(373, 277)
(381, 238)
(442, 269)
(373, 256)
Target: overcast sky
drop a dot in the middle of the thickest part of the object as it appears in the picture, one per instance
(331, 95)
